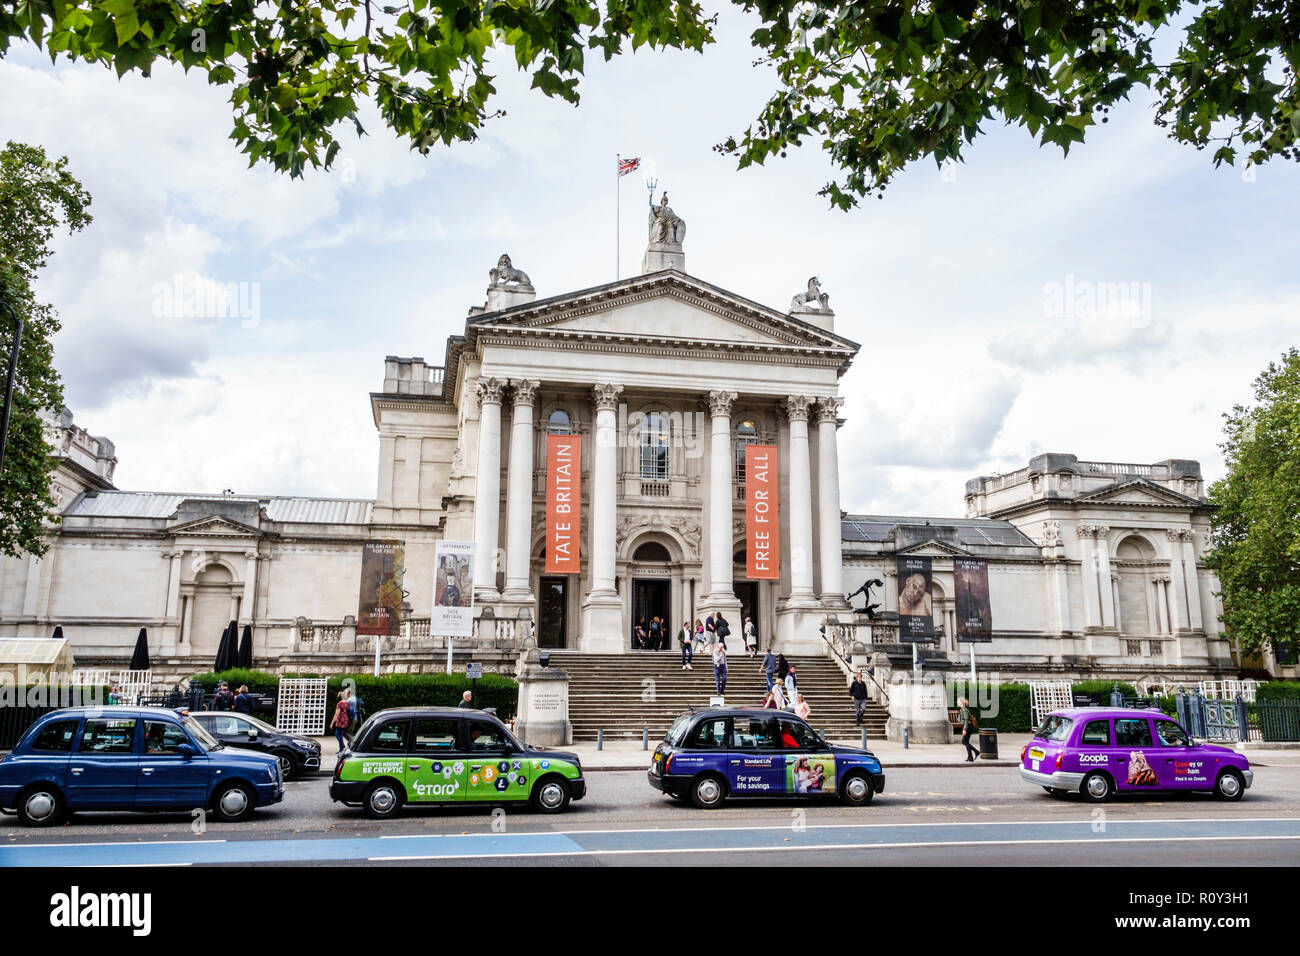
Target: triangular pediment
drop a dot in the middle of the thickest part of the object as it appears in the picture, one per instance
(215, 526)
(669, 307)
(933, 549)
(1139, 492)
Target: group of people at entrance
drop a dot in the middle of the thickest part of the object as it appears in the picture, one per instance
(783, 686)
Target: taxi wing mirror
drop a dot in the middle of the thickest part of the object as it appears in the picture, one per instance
(252, 733)
(186, 750)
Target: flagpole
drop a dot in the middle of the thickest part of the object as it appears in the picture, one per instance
(618, 212)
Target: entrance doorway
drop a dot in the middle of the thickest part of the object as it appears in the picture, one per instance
(553, 612)
(649, 600)
(747, 593)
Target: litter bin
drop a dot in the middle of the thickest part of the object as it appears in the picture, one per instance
(989, 743)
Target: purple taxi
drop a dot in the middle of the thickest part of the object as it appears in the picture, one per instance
(1098, 751)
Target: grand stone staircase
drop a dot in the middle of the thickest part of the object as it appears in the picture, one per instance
(622, 694)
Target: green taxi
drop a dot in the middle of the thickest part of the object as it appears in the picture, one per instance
(420, 755)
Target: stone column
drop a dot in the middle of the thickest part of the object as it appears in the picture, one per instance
(1162, 605)
(519, 494)
(1104, 588)
(720, 499)
(1195, 620)
(828, 502)
(799, 499)
(1178, 593)
(1114, 600)
(602, 613)
(248, 606)
(1088, 575)
(487, 489)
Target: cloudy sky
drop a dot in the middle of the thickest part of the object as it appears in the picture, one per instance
(974, 294)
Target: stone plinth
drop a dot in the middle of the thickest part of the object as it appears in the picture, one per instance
(543, 716)
(919, 706)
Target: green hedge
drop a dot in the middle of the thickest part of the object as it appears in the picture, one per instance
(387, 690)
(1012, 714)
(1279, 690)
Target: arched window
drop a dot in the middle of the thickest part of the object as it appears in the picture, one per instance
(746, 434)
(654, 447)
(651, 551)
(559, 423)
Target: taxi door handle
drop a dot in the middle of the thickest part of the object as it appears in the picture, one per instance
(77, 770)
(735, 763)
(412, 767)
(146, 769)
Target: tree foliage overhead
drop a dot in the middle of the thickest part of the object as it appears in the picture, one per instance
(878, 83)
(881, 83)
(37, 196)
(1256, 530)
(301, 69)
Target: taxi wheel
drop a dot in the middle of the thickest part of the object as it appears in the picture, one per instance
(41, 806)
(382, 800)
(550, 796)
(234, 802)
(286, 763)
(857, 790)
(1097, 787)
(708, 791)
(1229, 786)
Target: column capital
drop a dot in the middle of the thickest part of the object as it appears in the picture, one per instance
(796, 407)
(828, 409)
(489, 391)
(1177, 534)
(525, 390)
(171, 554)
(606, 396)
(251, 555)
(1093, 530)
(720, 403)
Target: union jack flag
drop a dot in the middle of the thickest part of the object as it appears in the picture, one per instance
(626, 166)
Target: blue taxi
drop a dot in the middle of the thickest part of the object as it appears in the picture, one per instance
(711, 754)
(130, 758)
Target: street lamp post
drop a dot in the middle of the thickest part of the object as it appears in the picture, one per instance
(13, 373)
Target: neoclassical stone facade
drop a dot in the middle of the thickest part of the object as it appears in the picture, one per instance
(1094, 567)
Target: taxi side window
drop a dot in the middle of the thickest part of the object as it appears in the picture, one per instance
(485, 737)
(1171, 735)
(709, 734)
(796, 735)
(434, 736)
(1096, 733)
(104, 736)
(163, 737)
(56, 737)
(1132, 732)
(391, 737)
(753, 733)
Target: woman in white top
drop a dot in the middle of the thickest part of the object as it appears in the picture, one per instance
(751, 637)
(720, 667)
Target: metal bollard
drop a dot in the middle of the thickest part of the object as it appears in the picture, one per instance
(864, 740)
(645, 739)
(904, 738)
(600, 739)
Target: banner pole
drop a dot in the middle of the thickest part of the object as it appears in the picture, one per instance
(618, 213)
(972, 666)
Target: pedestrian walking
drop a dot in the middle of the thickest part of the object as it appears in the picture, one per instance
(710, 631)
(656, 632)
(223, 699)
(686, 638)
(466, 701)
(777, 693)
(858, 691)
(782, 667)
(342, 720)
(802, 709)
(769, 667)
(720, 667)
(751, 637)
(791, 687)
(243, 701)
(721, 628)
(969, 725)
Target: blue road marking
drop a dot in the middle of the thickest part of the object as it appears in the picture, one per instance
(632, 841)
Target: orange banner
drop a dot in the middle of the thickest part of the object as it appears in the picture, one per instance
(762, 516)
(563, 502)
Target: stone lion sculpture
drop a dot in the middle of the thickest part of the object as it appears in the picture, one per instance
(505, 273)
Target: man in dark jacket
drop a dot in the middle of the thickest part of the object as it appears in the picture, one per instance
(858, 691)
(224, 699)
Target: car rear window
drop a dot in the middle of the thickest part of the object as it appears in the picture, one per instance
(390, 738)
(711, 733)
(1055, 728)
(677, 732)
(1096, 733)
(56, 737)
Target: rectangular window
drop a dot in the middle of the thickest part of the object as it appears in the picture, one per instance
(104, 736)
(486, 737)
(1096, 733)
(56, 737)
(1132, 732)
(163, 737)
(711, 734)
(434, 736)
(753, 733)
(796, 735)
(391, 738)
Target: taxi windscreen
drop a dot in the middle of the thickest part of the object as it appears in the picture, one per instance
(1055, 727)
(677, 732)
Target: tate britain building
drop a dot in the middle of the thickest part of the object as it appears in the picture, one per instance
(665, 381)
